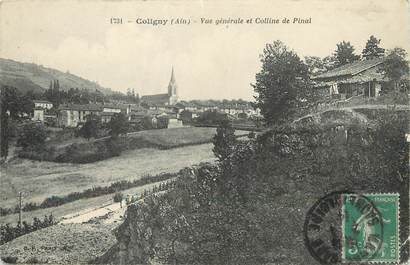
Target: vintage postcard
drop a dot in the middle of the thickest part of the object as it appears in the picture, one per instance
(204, 132)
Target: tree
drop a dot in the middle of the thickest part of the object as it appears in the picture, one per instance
(224, 140)
(10, 101)
(277, 84)
(211, 117)
(344, 53)
(396, 66)
(118, 124)
(4, 132)
(90, 127)
(32, 135)
(162, 122)
(330, 62)
(315, 65)
(372, 49)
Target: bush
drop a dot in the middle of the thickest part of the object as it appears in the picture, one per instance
(38, 152)
(90, 152)
(162, 122)
(211, 118)
(8, 232)
(118, 197)
(11, 260)
(32, 134)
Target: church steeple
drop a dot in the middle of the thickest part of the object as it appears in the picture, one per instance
(172, 89)
(172, 76)
(172, 86)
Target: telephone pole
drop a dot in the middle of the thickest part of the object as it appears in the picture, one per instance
(20, 208)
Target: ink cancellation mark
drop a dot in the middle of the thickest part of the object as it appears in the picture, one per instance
(351, 228)
(322, 229)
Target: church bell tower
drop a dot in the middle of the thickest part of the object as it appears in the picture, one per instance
(172, 89)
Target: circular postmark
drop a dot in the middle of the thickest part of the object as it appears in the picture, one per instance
(343, 226)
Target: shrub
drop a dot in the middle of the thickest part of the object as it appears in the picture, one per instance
(11, 260)
(8, 232)
(38, 152)
(211, 118)
(118, 197)
(33, 260)
(32, 134)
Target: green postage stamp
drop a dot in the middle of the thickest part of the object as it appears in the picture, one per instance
(370, 227)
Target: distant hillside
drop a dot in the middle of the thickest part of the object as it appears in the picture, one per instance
(29, 76)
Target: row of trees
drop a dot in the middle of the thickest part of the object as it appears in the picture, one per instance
(9, 232)
(344, 54)
(225, 103)
(58, 96)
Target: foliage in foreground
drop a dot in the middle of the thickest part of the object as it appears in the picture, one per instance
(9, 232)
(250, 207)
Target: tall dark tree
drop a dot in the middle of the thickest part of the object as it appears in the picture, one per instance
(4, 131)
(90, 127)
(283, 73)
(344, 53)
(224, 140)
(396, 66)
(118, 124)
(372, 49)
(14, 102)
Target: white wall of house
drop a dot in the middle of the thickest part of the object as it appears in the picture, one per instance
(174, 123)
(115, 110)
(378, 88)
(38, 115)
(43, 105)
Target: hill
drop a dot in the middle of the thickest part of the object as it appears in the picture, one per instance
(29, 76)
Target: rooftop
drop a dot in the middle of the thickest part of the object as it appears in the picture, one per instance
(42, 101)
(85, 107)
(350, 69)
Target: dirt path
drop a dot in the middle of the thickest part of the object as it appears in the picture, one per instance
(112, 212)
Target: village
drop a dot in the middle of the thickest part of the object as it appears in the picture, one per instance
(361, 79)
(150, 108)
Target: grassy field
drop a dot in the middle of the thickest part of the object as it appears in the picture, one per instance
(176, 137)
(61, 244)
(168, 138)
(39, 180)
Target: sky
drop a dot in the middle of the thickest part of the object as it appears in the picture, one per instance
(210, 61)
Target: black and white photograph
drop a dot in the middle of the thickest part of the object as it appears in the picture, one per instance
(204, 132)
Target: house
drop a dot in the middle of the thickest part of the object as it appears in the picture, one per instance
(170, 98)
(44, 116)
(107, 116)
(72, 115)
(114, 108)
(43, 104)
(364, 77)
(38, 114)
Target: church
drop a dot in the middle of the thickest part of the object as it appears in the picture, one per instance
(168, 99)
